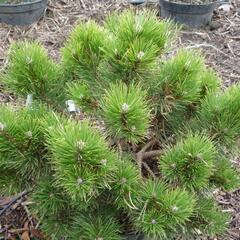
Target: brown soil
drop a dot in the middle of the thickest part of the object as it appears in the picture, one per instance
(219, 42)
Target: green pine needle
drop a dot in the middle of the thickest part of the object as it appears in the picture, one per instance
(58, 226)
(126, 185)
(82, 53)
(81, 159)
(219, 115)
(189, 164)
(153, 225)
(178, 84)
(22, 143)
(208, 219)
(47, 198)
(30, 71)
(85, 184)
(225, 175)
(153, 191)
(11, 183)
(126, 112)
(210, 82)
(179, 206)
(136, 41)
(96, 227)
(144, 25)
(161, 206)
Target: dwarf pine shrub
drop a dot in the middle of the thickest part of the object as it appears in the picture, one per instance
(151, 135)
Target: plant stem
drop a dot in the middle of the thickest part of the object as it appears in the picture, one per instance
(142, 154)
(151, 154)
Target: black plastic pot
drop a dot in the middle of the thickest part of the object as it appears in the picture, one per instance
(193, 15)
(136, 2)
(23, 13)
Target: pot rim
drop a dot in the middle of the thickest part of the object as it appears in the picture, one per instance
(189, 4)
(21, 4)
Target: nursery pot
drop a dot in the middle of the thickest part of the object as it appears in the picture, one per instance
(136, 2)
(22, 13)
(194, 15)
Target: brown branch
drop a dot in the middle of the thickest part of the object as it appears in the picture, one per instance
(139, 161)
(149, 170)
(18, 231)
(151, 154)
(148, 145)
(143, 150)
(142, 154)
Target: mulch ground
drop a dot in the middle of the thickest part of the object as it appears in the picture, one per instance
(220, 42)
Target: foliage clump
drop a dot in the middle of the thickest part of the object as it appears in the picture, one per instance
(31, 71)
(126, 112)
(189, 163)
(142, 149)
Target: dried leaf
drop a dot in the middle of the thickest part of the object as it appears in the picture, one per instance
(25, 235)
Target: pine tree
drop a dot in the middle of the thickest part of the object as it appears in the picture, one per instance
(151, 145)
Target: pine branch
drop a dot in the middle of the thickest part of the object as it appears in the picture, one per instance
(152, 154)
(149, 170)
(142, 154)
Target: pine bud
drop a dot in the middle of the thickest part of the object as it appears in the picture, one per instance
(80, 181)
(104, 162)
(154, 221)
(225, 130)
(123, 180)
(74, 52)
(29, 134)
(175, 208)
(133, 128)
(80, 144)
(140, 55)
(125, 107)
(173, 165)
(199, 156)
(154, 195)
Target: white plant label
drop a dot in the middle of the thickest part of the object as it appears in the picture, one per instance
(29, 100)
(71, 107)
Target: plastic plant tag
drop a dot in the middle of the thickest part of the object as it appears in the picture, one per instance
(29, 100)
(71, 107)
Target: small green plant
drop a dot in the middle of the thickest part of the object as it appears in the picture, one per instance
(149, 138)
